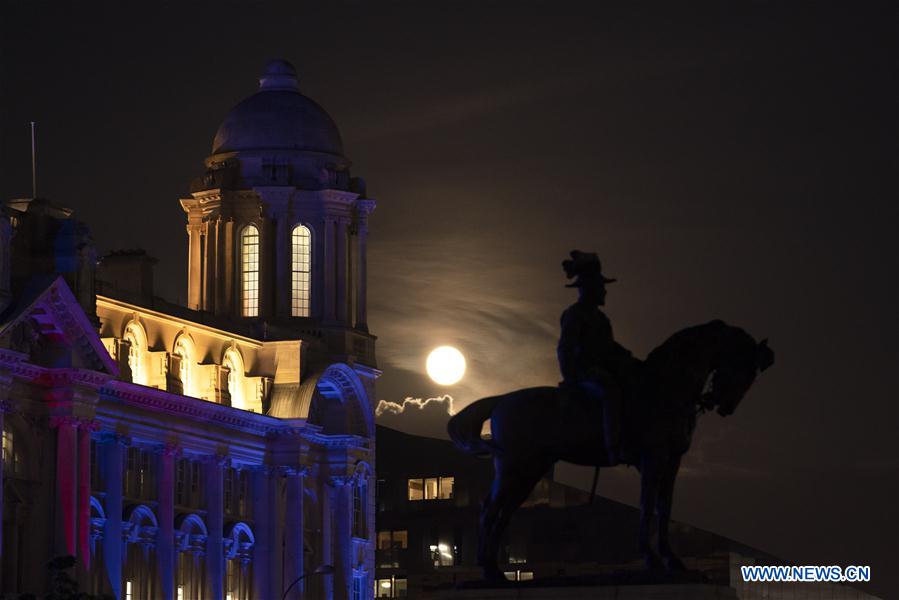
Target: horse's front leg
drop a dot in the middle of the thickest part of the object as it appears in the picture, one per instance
(650, 472)
(663, 509)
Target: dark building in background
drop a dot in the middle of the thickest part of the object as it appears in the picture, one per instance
(427, 508)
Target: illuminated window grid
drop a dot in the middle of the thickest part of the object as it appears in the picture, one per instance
(431, 488)
(301, 267)
(249, 271)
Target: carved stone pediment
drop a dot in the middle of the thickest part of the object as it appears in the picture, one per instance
(49, 326)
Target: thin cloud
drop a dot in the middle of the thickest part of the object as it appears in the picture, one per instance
(394, 408)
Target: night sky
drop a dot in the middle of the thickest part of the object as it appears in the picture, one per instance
(728, 160)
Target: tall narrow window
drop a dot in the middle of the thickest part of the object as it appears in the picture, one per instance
(249, 271)
(301, 267)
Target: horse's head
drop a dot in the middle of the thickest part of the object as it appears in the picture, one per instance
(735, 369)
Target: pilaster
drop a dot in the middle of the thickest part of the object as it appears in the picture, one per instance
(342, 492)
(263, 523)
(66, 520)
(293, 534)
(85, 428)
(363, 209)
(215, 523)
(342, 270)
(5, 407)
(165, 540)
(113, 450)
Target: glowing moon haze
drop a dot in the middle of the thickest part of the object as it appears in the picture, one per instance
(445, 365)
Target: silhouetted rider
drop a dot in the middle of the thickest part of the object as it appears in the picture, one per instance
(590, 359)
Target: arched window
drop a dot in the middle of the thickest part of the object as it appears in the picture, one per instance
(13, 463)
(137, 351)
(249, 271)
(184, 349)
(359, 497)
(234, 363)
(301, 271)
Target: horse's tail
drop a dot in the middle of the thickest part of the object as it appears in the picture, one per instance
(464, 427)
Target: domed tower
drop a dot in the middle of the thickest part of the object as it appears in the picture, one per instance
(277, 227)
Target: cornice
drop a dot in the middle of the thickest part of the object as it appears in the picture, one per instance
(16, 365)
(120, 305)
(160, 401)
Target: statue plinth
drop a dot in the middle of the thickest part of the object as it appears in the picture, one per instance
(673, 591)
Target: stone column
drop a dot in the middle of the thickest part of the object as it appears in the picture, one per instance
(5, 407)
(85, 427)
(193, 263)
(328, 279)
(342, 306)
(263, 521)
(342, 491)
(293, 532)
(328, 556)
(66, 485)
(215, 523)
(283, 275)
(231, 271)
(220, 274)
(113, 470)
(208, 303)
(276, 504)
(165, 537)
(363, 208)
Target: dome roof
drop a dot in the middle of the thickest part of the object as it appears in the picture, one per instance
(278, 117)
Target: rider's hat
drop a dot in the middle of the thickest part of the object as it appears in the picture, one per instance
(585, 266)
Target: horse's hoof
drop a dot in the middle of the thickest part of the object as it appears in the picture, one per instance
(673, 563)
(653, 562)
(493, 573)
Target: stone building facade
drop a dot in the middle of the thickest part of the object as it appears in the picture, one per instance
(220, 450)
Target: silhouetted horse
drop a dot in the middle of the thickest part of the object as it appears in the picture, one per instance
(696, 369)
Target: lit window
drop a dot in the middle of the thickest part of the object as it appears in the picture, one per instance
(181, 471)
(180, 592)
(394, 587)
(8, 451)
(431, 488)
(243, 492)
(184, 349)
(128, 595)
(301, 271)
(384, 540)
(441, 554)
(249, 271)
(360, 527)
(137, 348)
(228, 488)
(446, 488)
(416, 489)
(234, 363)
(401, 539)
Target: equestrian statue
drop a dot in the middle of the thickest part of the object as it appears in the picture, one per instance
(611, 408)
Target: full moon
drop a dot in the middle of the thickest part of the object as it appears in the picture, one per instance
(445, 365)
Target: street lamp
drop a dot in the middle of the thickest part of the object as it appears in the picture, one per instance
(322, 570)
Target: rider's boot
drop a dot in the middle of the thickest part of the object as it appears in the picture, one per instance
(612, 427)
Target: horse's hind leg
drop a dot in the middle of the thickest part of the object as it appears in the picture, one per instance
(663, 509)
(512, 484)
(650, 473)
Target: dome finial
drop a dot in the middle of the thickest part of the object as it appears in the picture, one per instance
(279, 74)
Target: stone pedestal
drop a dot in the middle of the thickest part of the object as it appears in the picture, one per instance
(698, 591)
